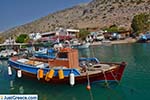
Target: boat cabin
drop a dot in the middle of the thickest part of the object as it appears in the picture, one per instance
(66, 57)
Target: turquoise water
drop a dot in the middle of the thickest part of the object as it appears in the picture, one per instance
(135, 83)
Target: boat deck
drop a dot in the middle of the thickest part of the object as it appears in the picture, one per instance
(98, 68)
(33, 63)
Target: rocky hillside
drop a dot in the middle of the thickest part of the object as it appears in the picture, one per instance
(96, 14)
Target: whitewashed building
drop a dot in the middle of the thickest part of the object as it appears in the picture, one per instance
(61, 33)
(35, 36)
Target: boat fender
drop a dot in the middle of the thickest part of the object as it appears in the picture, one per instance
(40, 74)
(9, 70)
(50, 74)
(19, 73)
(46, 77)
(61, 74)
(72, 79)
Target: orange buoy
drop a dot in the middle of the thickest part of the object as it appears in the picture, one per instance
(61, 74)
(50, 74)
(88, 87)
(46, 77)
(40, 73)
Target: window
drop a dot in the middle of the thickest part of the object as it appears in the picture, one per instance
(62, 55)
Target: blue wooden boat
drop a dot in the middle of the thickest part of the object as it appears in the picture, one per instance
(66, 68)
(45, 54)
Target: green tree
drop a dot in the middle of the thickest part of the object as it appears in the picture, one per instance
(22, 38)
(140, 23)
(121, 29)
(83, 34)
(114, 28)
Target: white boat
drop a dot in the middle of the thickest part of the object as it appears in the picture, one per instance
(76, 44)
(42, 50)
(5, 54)
(81, 45)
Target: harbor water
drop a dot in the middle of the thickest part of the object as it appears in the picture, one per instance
(135, 83)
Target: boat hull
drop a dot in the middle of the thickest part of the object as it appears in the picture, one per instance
(110, 75)
(78, 79)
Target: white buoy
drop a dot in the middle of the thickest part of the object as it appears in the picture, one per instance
(19, 73)
(9, 70)
(72, 79)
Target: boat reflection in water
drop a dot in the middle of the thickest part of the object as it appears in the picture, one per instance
(46, 91)
(6, 80)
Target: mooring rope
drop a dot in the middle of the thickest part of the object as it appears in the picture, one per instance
(106, 82)
(88, 79)
(91, 95)
(114, 77)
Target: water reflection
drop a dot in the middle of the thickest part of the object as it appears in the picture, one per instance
(21, 90)
(85, 53)
(11, 85)
(50, 91)
(57, 92)
(135, 81)
(6, 81)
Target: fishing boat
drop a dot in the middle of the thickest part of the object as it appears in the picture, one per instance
(46, 54)
(67, 68)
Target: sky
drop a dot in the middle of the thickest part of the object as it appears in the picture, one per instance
(19, 12)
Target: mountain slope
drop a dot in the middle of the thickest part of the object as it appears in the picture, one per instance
(96, 14)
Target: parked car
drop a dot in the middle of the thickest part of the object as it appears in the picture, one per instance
(144, 37)
(114, 36)
(100, 37)
(133, 35)
(147, 35)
